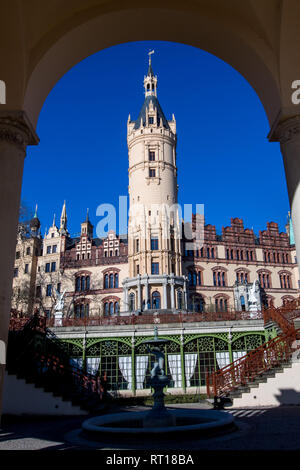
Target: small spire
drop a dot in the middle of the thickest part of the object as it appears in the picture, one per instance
(150, 71)
(87, 215)
(53, 224)
(35, 212)
(63, 220)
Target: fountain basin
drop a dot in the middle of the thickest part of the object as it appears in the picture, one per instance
(204, 423)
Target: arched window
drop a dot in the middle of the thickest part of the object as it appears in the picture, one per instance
(77, 311)
(190, 279)
(243, 305)
(194, 279)
(87, 309)
(82, 283)
(81, 310)
(117, 307)
(199, 278)
(116, 280)
(111, 308)
(197, 304)
(106, 281)
(179, 299)
(106, 308)
(111, 281)
(131, 302)
(156, 300)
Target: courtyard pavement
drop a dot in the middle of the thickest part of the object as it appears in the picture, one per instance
(258, 429)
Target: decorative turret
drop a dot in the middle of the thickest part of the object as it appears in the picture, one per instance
(35, 223)
(63, 221)
(87, 227)
(150, 80)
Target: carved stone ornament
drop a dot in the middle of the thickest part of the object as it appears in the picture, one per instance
(286, 130)
(16, 128)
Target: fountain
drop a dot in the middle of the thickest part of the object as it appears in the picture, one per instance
(159, 421)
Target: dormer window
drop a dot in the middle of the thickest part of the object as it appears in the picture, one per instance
(151, 120)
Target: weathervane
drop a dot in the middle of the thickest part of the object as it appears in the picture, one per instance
(149, 54)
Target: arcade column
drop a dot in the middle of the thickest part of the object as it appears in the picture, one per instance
(288, 134)
(16, 132)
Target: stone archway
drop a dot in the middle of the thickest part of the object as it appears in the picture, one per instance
(258, 39)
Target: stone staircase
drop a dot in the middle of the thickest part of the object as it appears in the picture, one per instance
(269, 375)
(36, 360)
(279, 386)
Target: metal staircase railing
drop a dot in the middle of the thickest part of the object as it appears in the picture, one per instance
(273, 353)
(35, 354)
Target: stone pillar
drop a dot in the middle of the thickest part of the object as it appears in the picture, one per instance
(185, 293)
(147, 293)
(172, 294)
(165, 295)
(126, 298)
(139, 306)
(16, 132)
(288, 134)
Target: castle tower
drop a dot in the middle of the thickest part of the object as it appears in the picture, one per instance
(154, 242)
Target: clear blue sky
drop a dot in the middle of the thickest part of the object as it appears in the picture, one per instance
(224, 159)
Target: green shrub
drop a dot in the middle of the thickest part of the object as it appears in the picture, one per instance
(148, 401)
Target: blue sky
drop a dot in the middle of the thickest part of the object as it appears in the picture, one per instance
(224, 158)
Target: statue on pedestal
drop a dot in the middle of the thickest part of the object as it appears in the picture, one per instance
(58, 308)
(253, 298)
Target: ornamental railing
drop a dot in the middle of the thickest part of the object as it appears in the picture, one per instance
(284, 316)
(34, 322)
(246, 369)
(272, 353)
(153, 318)
(49, 365)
